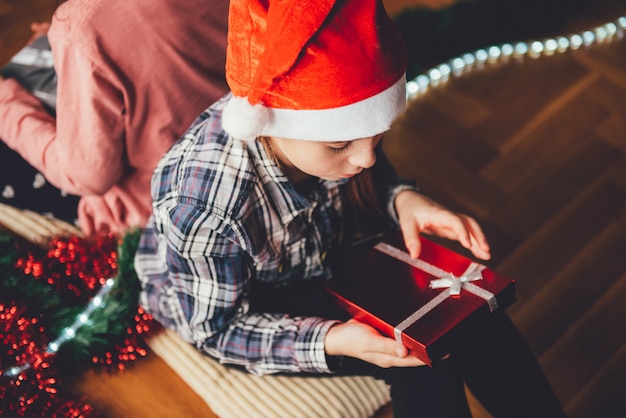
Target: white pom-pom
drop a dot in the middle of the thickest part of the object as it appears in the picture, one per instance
(243, 120)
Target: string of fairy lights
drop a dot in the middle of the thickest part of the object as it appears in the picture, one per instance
(472, 61)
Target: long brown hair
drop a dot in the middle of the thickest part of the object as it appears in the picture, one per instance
(361, 193)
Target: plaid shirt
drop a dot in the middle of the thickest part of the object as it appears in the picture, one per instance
(224, 215)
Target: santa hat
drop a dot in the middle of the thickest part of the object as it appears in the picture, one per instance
(323, 70)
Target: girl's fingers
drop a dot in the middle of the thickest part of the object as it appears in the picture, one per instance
(480, 246)
(410, 234)
(451, 226)
(477, 232)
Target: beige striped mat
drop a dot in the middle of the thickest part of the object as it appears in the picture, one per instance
(232, 393)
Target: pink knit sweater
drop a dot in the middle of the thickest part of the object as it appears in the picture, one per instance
(132, 76)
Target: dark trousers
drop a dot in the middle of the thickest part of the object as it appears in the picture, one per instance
(490, 356)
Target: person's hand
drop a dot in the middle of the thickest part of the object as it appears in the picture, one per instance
(39, 29)
(358, 340)
(417, 214)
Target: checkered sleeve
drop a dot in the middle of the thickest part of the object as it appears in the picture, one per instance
(210, 275)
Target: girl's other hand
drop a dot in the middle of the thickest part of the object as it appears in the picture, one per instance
(419, 214)
(358, 340)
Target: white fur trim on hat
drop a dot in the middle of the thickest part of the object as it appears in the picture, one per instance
(362, 119)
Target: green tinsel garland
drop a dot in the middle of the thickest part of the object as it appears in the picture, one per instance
(107, 325)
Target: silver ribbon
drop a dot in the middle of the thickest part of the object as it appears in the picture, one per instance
(446, 280)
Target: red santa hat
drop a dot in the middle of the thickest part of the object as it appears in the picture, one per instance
(321, 70)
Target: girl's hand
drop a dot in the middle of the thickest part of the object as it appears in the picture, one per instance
(417, 214)
(358, 340)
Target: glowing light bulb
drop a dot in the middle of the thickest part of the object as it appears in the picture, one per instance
(423, 81)
(15, 370)
(412, 89)
(563, 43)
(575, 41)
(469, 59)
(588, 37)
(611, 29)
(444, 70)
(536, 48)
(494, 53)
(435, 76)
(507, 50)
(601, 33)
(481, 56)
(521, 48)
(550, 46)
(458, 65)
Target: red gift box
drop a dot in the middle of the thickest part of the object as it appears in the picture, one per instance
(421, 302)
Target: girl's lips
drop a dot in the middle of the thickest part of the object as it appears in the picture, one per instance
(347, 176)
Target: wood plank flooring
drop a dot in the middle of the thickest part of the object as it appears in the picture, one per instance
(536, 151)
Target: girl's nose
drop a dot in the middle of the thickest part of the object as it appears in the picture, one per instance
(364, 158)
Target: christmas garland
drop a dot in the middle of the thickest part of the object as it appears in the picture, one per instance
(70, 305)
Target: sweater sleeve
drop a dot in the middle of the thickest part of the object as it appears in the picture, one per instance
(81, 152)
(22, 116)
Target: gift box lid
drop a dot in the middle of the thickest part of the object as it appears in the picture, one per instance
(384, 288)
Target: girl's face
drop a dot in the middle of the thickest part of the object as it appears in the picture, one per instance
(326, 160)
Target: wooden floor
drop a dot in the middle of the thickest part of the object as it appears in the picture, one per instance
(536, 151)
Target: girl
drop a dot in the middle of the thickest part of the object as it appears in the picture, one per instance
(273, 182)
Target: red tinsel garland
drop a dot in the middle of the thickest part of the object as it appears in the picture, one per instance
(76, 268)
(34, 391)
(133, 345)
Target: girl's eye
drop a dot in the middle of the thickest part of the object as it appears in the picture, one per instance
(339, 149)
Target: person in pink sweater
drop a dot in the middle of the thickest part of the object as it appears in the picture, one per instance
(132, 77)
